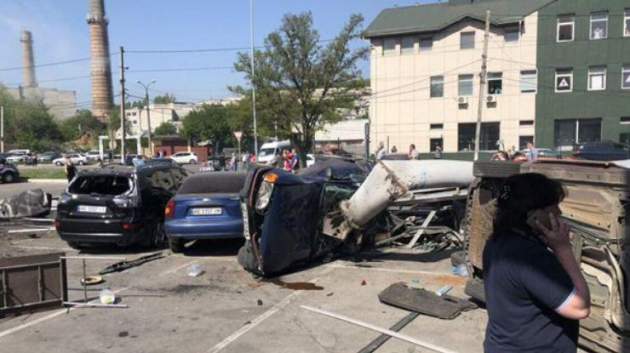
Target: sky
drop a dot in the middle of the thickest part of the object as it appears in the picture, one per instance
(60, 33)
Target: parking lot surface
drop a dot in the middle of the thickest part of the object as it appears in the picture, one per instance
(225, 309)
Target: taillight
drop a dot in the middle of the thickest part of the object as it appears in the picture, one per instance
(169, 211)
(132, 226)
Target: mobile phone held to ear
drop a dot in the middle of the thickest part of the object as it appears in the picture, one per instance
(538, 217)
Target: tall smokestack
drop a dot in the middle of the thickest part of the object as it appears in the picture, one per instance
(101, 71)
(28, 79)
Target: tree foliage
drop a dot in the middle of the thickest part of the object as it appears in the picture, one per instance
(211, 122)
(28, 124)
(301, 84)
(164, 99)
(165, 129)
(81, 124)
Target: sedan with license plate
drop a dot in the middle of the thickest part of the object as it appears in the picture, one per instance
(207, 206)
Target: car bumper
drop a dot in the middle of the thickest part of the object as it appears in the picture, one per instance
(98, 232)
(232, 229)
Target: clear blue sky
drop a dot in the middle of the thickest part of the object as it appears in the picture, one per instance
(61, 33)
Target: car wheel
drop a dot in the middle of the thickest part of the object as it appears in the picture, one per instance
(176, 245)
(58, 164)
(8, 177)
(158, 238)
(192, 161)
(81, 163)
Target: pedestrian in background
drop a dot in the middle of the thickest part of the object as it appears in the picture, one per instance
(295, 160)
(380, 152)
(69, 169)
(413, 154)
(532, 152)
(286, 161)
(534, 288)
(437, 154)
(394, 149)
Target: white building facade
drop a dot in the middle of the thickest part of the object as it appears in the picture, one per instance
(425, 70)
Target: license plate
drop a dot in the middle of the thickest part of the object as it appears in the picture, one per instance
(245, 220)
(92, 209)
(206, 211)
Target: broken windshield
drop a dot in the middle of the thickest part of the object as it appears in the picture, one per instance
(100, 184)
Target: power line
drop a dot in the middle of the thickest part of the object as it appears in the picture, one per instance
(183, 69)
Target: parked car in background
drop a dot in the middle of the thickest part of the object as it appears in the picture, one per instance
(19, 157)
(270, 150)
(185, 158)
(207, 206)
(118, 205)
(92, 156)
(47, 157)
(75, 158)
(603, 151)
(8, 172)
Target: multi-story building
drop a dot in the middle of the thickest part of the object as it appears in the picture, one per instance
(172, 113)
(558, 73)
(583, 62)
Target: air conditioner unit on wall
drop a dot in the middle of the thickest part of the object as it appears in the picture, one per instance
(462, 100)
(491, 99)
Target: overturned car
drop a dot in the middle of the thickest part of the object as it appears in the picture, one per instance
(597, 209)
(331, 206)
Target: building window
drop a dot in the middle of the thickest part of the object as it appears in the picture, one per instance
(597, 78)
(526, 123)
(566, 28)
(524, 140)
(564, 80)
(408, 44)
(625, 120)
(625, 138)
(488, 138)
(426, 44)
(437, 86)
(467, 40)
(571, 132)
(436, 142)
(436, 126)
(625, 77)
(529, 81)
(626, 23)
(511, 35)
(465, 85)
(495, 83)
(389, 46)
(599, 25)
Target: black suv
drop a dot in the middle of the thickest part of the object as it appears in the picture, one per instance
(8, 172)
(119, 205)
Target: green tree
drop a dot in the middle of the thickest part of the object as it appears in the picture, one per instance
(165, 129)
(211, 122)
(80, 124)
(28, 124)
(301, 84)
(164, 99)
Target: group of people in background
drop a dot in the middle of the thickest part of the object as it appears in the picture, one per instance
(411, 154)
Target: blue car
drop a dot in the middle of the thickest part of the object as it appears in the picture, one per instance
(206, 206)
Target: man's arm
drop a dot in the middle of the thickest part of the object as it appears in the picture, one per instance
(578, 304)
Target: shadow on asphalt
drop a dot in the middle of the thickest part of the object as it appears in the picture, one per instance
(200, 248)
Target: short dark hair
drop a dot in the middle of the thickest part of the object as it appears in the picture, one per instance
(521, 194)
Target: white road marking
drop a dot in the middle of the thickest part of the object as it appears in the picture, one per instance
(264, 316)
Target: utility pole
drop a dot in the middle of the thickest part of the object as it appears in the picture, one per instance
(123, 133)
(251, 25)
(146, 99)
(482, 84)
(1, 128)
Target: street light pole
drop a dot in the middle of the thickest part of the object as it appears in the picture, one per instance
(146, 103)
(251, 25)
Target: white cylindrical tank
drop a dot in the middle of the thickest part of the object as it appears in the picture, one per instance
(390, 180)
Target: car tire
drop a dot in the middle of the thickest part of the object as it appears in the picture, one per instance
(158, 236)
(8, 177)
(192, 161)
(176, 245)
(58, 164)
(81, 163)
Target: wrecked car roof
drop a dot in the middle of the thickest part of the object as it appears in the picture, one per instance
(213, 182)
(341, 169)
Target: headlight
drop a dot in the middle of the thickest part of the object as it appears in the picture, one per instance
(264, 192)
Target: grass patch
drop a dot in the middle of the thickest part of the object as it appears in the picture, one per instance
(43, 173)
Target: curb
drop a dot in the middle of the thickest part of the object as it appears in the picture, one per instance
(48, 181)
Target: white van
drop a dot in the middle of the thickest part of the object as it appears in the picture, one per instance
(268, 151)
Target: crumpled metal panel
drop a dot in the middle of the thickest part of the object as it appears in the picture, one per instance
(30, 203)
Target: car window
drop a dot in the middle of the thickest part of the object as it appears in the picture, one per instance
(162, 179)
(100, 184)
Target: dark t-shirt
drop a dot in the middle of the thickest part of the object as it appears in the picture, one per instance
(524, 284)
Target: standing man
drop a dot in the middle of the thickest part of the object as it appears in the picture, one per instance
(295, 160)
(532, 152)
(413, 154)
(69, 169)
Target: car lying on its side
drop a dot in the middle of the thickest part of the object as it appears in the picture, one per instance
(118, 205)
(207, 206)
(597, 209)
(283, 214)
